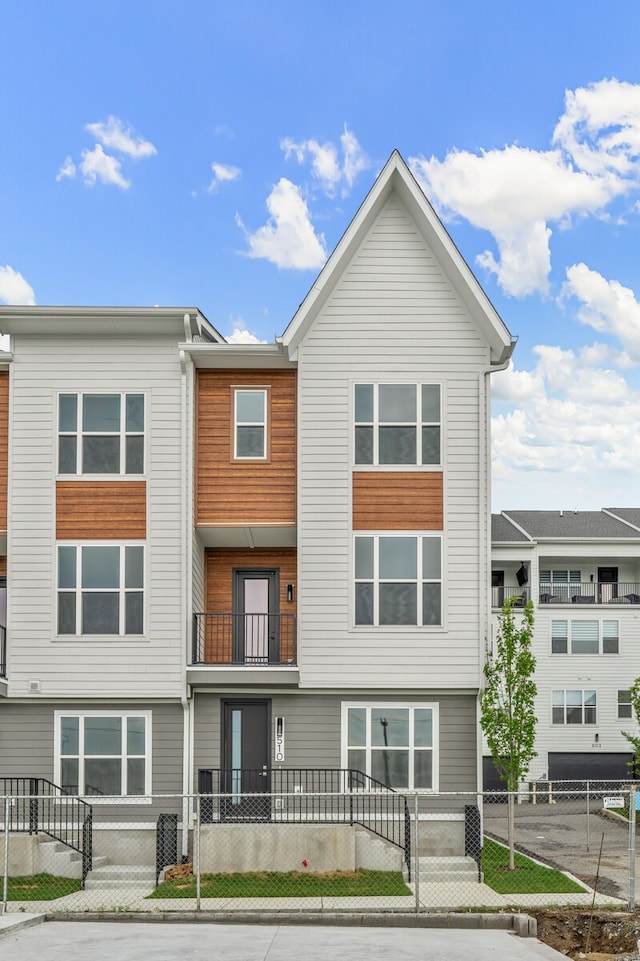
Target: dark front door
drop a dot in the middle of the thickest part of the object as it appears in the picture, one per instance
(246, 775)
(256, 616)
(607, 584)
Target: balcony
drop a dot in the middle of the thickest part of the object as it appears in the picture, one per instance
(244, 647)
(590, 592)
(500, 594)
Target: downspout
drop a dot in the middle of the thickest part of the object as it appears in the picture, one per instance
(186, 699)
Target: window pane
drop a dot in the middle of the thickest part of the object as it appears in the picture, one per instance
(390, 727)
(423, 727)
(364, 445)
(397, 403)
(431, 563)
(69, 735)
(102, 776)
(391, 767)
(397, 445)
(66, 567)
(66, 613)
(558, 645)
(584, 637)
(250, 406)
(423, 769)
(364, 403)
(431, 604)
(398, 557)
(133, 615)
(610, 645)
(68, 412)
(67, 455)
(364, 603)
(100, 613)
(558, 715)
(430, 445)
(101, 412)
(135, 735)
(574, 715)
(357, 726)
(69, 775)
(103, 735)
(624, 711)
(364, 557)
(101, 455)
(431, 403)
(134, 567)
(398, 604)
(101, 567)
(357, 761)
(135, 775)
(558, 698)
(134, 447)
(135, 412)
(250, 442)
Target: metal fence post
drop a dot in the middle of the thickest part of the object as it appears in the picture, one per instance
(632, 848)
(196, 852)
(5, 869)
(416, 851)
(588, 819)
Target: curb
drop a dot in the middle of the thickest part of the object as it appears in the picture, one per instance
(12, 922)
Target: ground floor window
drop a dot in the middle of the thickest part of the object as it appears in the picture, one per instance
(103, 754)
(625, 705)
(396, 744)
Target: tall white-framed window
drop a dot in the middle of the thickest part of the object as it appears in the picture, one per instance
(574, 707)
(250, 423)
(398, 579)
(103, 753)
(100, 589)
(397, 424)
(101, 433)
(395, 744)
(585, 636)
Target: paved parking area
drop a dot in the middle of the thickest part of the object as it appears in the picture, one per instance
(168, 941)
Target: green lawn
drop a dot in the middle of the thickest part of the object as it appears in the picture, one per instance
(40, 887)
(528, 877)
(287, 884)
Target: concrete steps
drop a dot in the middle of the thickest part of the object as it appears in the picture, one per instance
(120, 875)
(447, 870)
(56, 858)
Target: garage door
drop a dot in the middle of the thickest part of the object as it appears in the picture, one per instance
(594, 766)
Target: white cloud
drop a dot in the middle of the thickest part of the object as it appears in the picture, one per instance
(68, 170)
(606, 306)
(333, 171)
(288, 239)
(240, 334)
(14, 289)
(222, 173)
(516, 193)
(98, 165)
(116, 135)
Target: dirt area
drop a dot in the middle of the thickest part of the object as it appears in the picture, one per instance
(603, 936)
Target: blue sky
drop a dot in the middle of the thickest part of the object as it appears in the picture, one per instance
(211, 154)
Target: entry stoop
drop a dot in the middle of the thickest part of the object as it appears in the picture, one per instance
(460, 870)
(57, 859)
(109, 876)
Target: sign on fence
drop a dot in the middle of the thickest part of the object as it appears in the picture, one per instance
(613, 802)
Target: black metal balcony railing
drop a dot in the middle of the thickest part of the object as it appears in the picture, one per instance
(3, 652)
(590, 592)
(500, 594)
(251, 640)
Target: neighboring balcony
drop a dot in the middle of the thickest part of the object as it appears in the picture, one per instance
(500, 594)
(3, 660)
(240, 648)
(589, 592)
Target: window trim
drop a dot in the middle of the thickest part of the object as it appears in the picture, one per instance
(144, 798)
(79, 433)
(236, 389)
(375, 424)
(122, 591)
(570, 621)
(433, 706)
(583, 707)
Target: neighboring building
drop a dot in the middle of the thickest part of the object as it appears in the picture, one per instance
(581, 569)
(253, 557)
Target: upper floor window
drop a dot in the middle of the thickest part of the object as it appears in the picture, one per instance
(104, 754)
(625, 705)
(397, 424)
(585, 637)
(250, 424)
(100, 589)
(574, 707)
(398, 579)
(101, 434)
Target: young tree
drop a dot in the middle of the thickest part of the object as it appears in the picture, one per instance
(634, 739)
(507, 703)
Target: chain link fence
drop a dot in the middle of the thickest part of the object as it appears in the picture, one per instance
(319, 851)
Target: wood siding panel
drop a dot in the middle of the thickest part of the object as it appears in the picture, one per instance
(4, 446)
(219, 583)
(397, 500)
(101, 510)
(251, 492)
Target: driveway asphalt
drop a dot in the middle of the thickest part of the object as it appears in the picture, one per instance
(168, 941)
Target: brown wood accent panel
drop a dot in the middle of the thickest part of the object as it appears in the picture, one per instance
(4, 446)
(3, 565)
(219, 566)
(397, 501)
(245, 492)
(101, 510)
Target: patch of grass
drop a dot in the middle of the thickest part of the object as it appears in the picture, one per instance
(528, 877)
(40, 887)
(287, 884)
